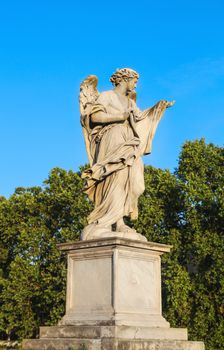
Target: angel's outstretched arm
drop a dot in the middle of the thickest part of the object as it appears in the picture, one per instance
(156, 111)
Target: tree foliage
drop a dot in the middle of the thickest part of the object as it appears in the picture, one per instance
(33, 271)
(184, 209)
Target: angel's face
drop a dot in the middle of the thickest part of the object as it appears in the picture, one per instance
(131, 84)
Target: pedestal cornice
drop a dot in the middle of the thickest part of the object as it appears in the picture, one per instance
(114, 241)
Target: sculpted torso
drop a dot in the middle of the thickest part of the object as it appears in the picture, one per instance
(117, 134)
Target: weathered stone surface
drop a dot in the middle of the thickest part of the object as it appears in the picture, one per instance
(119, 332)
(61, 344)
(111, 241)
(114, 282)
(157, 345)
(70, 332)
(113, 300)
(109, 344)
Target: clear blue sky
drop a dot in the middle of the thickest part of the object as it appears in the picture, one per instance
(48, 47)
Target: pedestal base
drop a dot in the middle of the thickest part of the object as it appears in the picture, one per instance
(114, 281)
(113, 300)
(111, 338)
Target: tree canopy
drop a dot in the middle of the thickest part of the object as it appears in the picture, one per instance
(185, 209)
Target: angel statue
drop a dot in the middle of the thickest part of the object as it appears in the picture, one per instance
(117, 134)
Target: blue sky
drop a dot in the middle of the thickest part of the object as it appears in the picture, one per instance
(48, 47)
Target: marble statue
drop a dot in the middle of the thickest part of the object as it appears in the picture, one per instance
(117, 134)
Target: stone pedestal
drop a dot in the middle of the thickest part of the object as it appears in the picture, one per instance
(114, 282)
(113, 300)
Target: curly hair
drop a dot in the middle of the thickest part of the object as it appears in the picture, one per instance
(123, 74)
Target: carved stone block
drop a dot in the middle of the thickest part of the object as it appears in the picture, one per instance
(113, 300)
(116, 282)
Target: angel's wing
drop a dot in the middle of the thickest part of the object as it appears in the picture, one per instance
(87, 97)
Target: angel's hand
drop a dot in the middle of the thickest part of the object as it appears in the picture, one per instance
(167, 104)
(127, 113)
(137, 114)
(170, 104)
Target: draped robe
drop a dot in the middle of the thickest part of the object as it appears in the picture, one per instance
(115, 179)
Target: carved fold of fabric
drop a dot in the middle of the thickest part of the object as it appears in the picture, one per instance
(99, 131)
(146, 126)
(116, 196)
(119, 158)
(97, 107)
(115, 179)
(88, 111)
(86, 125)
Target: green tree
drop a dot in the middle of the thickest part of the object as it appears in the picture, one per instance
(32, 222)
(186, 210)
(160, 220)
(201, 174)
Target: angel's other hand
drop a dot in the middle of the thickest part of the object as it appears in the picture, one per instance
(128, 112)
(126, 115)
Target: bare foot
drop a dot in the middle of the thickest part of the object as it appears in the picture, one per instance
(125, 228)
(121, 227)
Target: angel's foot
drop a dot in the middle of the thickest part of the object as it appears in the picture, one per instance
(121, 227)
(94, 231)
(125, 228)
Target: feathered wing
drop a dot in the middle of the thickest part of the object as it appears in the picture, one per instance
(147, 124)
(87, 97)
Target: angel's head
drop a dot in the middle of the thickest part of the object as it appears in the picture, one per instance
(127, 75)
